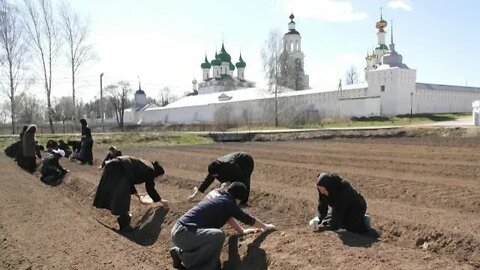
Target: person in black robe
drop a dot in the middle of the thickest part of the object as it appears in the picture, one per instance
(19, 150)
(51, 170)
(86, 155)
(63, 146)
(234, 167)
(117, 184)
(348, 207)
(113, 152)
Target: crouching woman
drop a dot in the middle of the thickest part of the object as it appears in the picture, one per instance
(117, 184)
(52, 171)
(348, 207)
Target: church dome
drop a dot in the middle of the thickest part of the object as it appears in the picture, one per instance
(205, 64)
(232, 67)
(241, 63)
(139, 92)
(216, 62)
(224, 56)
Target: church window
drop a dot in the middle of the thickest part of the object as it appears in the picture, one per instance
(382, 88)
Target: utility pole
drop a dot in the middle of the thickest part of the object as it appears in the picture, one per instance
(411, 103)
(101, 101)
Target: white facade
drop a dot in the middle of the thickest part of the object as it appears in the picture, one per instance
(390, 89)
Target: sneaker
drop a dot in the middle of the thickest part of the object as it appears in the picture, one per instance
(176, 261)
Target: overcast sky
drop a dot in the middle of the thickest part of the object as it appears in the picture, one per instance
(164, 42)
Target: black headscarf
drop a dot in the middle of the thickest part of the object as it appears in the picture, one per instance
(330, 181)
(157, 169)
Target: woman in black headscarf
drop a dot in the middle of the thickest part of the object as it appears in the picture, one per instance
(86, 155)
(348, 205)
(118, 182)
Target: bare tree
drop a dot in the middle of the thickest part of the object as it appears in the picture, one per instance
(351, 76)
(75, 31)
(274, 65)
(166, 96)
(42, 31)
(13, 53)
(118, 97)
(30, 109)
(63, 109)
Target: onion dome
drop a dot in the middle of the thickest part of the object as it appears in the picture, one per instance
(241, 63)
(206, 64)
(382, 23)
(224, 56)
(291, 26)
(232, 67)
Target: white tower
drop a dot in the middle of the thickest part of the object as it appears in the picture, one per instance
(216, 63)
(206, 68)
(241, 68)
(375, 59)
(140, 98)
(194, 85)
(292, 47)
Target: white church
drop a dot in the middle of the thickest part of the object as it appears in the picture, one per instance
(390, 88)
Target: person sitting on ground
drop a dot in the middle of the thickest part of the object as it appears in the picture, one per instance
(29, 149)
(197, 237)
(51, 170)
(348, 207)
(85, 155)
(113, 152)
(117, 184)
(233, 167)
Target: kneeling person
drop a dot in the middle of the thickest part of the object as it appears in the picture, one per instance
(348, 207)
(117, 184)
(52, 171)
(197, 236)
(113, 152)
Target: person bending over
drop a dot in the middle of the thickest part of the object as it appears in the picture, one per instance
(233, 167)
(51, 170)
(197, 237)
(117, 184)
(348, 207)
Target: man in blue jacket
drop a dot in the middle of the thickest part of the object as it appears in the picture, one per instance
(197, 236)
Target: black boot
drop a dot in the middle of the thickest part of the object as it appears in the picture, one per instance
(124, 223)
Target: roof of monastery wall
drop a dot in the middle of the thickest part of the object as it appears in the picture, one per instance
(245, 95)
(443, 87)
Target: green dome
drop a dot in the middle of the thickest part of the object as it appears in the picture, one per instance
(382, 47)
(241, 63)
(216, 62)
(224, 56)
(232, 67)
(206, 64)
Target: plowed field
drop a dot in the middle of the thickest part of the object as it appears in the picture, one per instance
(423, 195)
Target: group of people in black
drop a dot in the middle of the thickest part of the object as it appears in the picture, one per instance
(197, 236)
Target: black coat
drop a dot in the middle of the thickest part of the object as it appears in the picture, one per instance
(51, 167)
(233, 167)
(118, 181)
(348, 205)
(11, 150)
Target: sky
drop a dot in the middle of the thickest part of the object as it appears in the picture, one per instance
(164, 42)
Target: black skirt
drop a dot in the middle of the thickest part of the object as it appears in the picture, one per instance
(113, 192)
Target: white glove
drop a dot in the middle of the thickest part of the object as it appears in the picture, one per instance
(314, 223)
